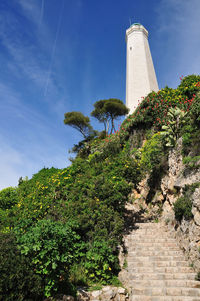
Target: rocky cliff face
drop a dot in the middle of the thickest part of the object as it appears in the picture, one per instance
(171, 188)
(186, 231)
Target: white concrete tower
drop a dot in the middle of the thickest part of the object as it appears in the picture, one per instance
(140, 73)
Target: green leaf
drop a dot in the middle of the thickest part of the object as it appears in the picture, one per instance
(54, 265)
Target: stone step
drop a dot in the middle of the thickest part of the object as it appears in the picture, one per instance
(156, 235)
(167, 283)
(145, 250)
(151, 228)
(156, 258)
(155, 244)
(162, 298)
(152, 240)
(154, 230)
(133, 264)
(153, 252)
(149, 233)
(155, 269)
(147, 225)
(160, 276)
(166, 291)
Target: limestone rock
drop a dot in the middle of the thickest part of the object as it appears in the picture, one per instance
(196, 197)
(82, 295)
(164, 185)
(95, 294)
(121, 290)
(196, 214)
(186, 232)
(107, 293)
(188, 179)
(158, 198)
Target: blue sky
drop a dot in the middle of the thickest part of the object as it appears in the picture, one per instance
(58, 56)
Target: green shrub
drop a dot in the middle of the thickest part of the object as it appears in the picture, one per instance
(101, 262)
(152, 152)
(18, 280)
(51, 248)
(187, 136)
(78, 275)
(103, 148)
(192, 162)
(171, 131)
(195, 110)
(8, 198)
(183, 208)
(189, 85)
(191, 143)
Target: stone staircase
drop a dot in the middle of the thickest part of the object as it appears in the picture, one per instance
(156, 267)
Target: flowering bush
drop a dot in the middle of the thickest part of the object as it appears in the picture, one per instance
(90, 195)
(70, 221)
(189, 85)
(152, 111)
(8, 197)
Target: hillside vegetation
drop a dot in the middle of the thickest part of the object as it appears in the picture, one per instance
(63, 228)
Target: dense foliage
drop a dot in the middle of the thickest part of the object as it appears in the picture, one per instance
(183, 206)
(63, 227)
(18, 279)
(71, 221)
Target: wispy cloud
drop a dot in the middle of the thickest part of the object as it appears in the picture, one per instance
(34, 10)
(179, 30)
(25, 55)
(45, 50)
(29, 140)
(32, 49)
(54, 48)
(32, 132)
(41, 12)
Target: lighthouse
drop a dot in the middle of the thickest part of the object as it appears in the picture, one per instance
(140, 74)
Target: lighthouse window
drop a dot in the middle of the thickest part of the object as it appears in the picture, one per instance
(130, 48)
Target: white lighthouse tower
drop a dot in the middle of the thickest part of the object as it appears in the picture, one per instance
(140, 73)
